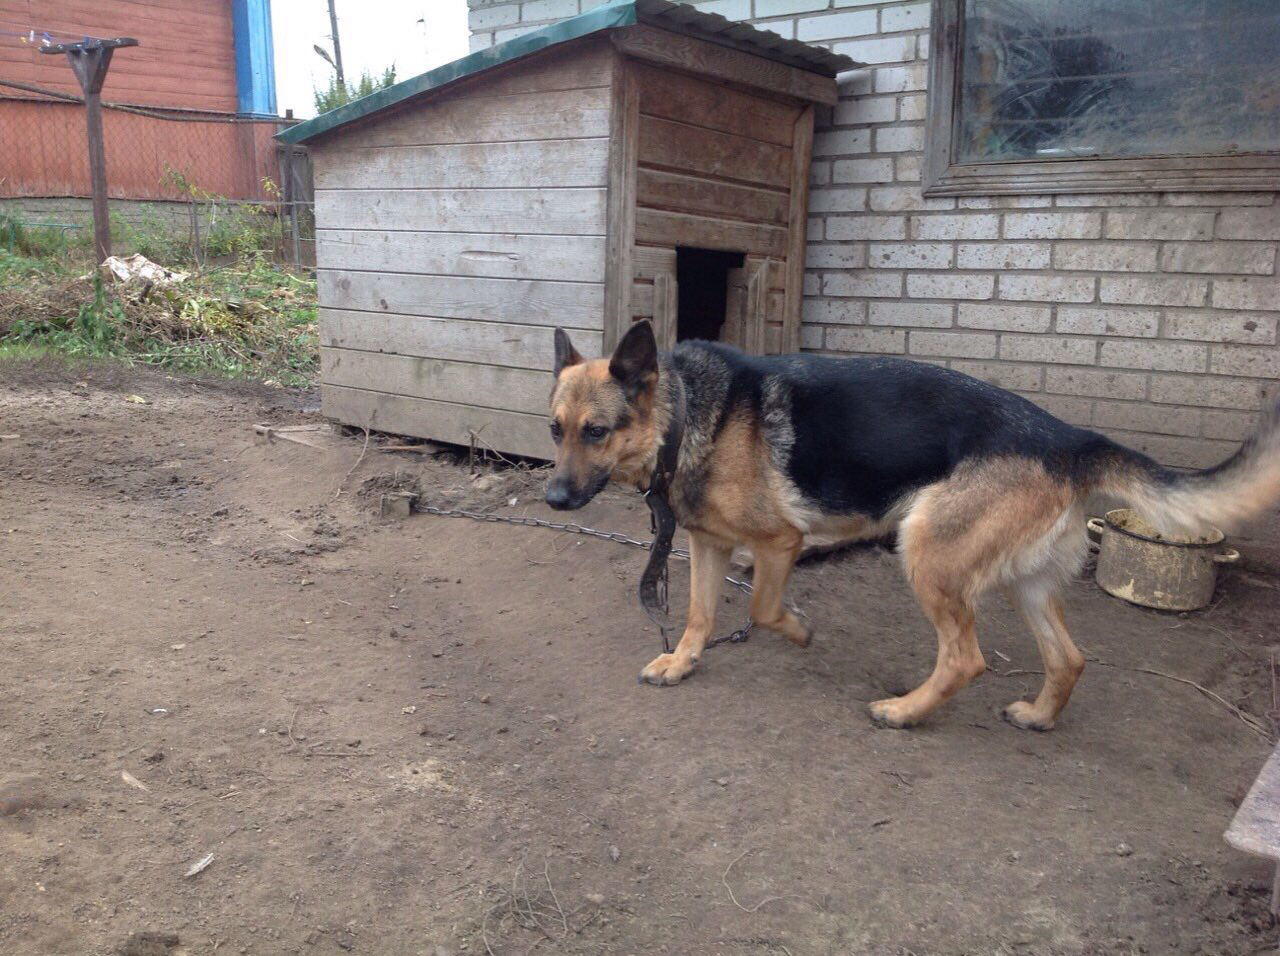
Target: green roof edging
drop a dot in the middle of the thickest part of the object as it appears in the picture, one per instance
(619, 14)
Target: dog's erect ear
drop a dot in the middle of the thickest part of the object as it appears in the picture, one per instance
(566, 354)
(635, 360)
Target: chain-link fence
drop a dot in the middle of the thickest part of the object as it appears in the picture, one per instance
(201, 185)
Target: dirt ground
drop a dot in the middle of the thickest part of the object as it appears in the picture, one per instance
(425, 736)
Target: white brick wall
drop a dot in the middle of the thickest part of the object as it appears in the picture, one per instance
(1151, 317)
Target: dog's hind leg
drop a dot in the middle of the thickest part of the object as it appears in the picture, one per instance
(959, 657)
(708, 562)
(1040, 606)
(774, 560)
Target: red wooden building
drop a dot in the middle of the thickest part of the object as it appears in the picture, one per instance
(197, 97)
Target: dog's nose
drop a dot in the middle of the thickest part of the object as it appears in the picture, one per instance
(558, 495)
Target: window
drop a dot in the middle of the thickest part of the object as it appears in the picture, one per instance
(1103, 95)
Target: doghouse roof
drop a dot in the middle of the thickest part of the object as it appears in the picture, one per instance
(673, 17)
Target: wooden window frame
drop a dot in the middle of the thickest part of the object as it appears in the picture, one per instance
(1251, 172)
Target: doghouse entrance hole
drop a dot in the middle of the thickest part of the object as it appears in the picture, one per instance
(702, 278)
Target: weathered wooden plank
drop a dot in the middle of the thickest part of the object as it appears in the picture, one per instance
(691, 149)
(801, 156)
(496, 255)
(590, 62)
(516, 389)
(658, 228)
(666, 310)
(649, 261)
(533, 301)
(624, 138)
(642, 299)
(459, 340)
(570, 212)
(678, 193)
(698, 56)
(564, 114)
(687, 99)
(513, 433)
(541, 163)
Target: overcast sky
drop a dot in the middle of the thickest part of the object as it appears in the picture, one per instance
(415, 35)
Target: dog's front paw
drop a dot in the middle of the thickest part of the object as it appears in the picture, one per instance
(893, 713)
(667, 669)
(1025, 716)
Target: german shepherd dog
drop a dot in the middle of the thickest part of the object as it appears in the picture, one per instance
(983, 489)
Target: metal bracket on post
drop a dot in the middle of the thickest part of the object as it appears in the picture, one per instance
(90, 60)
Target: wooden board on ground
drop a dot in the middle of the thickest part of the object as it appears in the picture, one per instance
(1256, 826)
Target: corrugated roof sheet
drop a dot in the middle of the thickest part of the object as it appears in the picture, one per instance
(676, 17)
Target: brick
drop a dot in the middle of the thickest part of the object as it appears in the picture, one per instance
(1174, 450)
(1241, 258)
(1160, 356)
(811, 338)
(833, 256)
(1022, 378)
(1004, 202)
(782, 8)
(784, 28)
(815, 228)
(914, 16)
(1105, 256)
(1052, 225)
(812, 284)
(899, 139)
(1261, 294)
(1131, 323)
(1251, 360)
(842, 142)
(884, 341)
(1219, 199)
(490, 17)
(913, 108)
(556, 9)
(956, 285)
(1037, 288)
(833, 312)
(881, 50)
(1159, 224)
(901, 79)
(1108, 199)
(1004, 318)
(1053, 349)
(866, 227)
(1073, 411)
(1233, 426)
(920, 255)
(480, 41)
(922, 46)
(977, 226)
(510, 33)
(869, 284)
(862, 110)
(1086, 381)
(837, 200)
(819, 173)
(906, 198)
(1207, 391)
(907, 168)
(1140, 417)
(862, 171)
(836, 26)
(1003, 255)
(1249, 223)
(953, 344)
(1165, 290)
(1250, 328)
(932, 315)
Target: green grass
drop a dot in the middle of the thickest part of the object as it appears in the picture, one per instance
(253, 319)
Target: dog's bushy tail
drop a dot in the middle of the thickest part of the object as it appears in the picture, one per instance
(1223, 496)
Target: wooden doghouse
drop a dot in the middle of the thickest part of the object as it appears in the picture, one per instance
(642, 160)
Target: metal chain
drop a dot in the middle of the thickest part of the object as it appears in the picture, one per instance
(528, 521)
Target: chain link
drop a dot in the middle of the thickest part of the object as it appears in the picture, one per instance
(528, 521)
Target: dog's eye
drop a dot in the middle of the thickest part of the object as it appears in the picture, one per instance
(556, 431)
(596, 432)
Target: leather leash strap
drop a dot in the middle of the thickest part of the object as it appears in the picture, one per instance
(653, 582)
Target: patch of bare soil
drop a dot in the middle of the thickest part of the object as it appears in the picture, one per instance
(426, 736)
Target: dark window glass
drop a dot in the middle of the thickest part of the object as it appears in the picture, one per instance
(1060, 79)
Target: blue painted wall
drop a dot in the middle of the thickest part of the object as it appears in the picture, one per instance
(255, 57)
